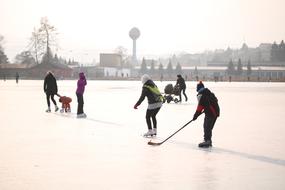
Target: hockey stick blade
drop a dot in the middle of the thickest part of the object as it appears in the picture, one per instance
(157, 144)
(153, 143)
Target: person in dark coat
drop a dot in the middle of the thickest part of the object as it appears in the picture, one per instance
(50, 88)
(208, 104)
(155, 100)
(182, 87)
(17, 77)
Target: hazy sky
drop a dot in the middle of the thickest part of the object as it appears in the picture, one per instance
(88, 27)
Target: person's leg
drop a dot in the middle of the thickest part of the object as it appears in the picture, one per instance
(48, 101)
(52, 99)
(180, 99)
(80, 104)
(54, 102)
(186, 98)
(209, 123)
(68, 106)
(147, 117)
(153, 117)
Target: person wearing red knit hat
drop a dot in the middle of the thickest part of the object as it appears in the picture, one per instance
(208, 104)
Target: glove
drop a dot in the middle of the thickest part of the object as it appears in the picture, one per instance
(136, 106)
(195, 116)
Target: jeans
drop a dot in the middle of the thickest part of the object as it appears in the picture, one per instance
(80, 103)
(209, 123)
(52, 99)
(151, 114)
(183, 90)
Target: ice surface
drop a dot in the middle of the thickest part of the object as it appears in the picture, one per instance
(53, 151)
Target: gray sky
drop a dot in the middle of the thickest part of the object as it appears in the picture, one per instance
(88, 27)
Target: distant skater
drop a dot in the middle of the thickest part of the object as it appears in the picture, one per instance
(155, 100)
(182, 87)
(208, 104)
(50, 88)
(81, 83)
(17, 77)
(65, 101)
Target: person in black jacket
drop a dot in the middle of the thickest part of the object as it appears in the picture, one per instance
(155, 100)
(50, 88)
(208, 104)
(182, 87)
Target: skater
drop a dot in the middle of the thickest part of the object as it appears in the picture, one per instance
(17, 77)
(182, 86)
(81, 83)
(155, 100)
(50, 88)
(208, 104)
(65, 101)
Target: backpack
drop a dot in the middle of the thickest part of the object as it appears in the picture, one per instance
(213, 100)
(156, 93)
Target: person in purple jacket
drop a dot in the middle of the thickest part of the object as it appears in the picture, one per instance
(81, 83)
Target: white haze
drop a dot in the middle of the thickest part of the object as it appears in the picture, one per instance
(87, 28)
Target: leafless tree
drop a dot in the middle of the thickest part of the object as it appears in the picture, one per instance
(42, 40)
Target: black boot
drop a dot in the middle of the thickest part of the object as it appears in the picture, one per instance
(205, 144)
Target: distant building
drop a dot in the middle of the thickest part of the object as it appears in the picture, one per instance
(10, 70)
(112, 66)
(110, 60)
(265, 52)
(32, 71)
(60, 70)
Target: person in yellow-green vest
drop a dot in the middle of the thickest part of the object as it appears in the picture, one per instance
(155, 100)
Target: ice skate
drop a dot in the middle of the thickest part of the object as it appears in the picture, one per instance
(48, 110)
(154, 130)
(205, 144)
(62, 110)
(149, 133)
(82, 115)
(56, 108)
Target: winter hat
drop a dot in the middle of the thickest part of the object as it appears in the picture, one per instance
(81, 75)
(179, 76)
(200, 85)
(145, 78)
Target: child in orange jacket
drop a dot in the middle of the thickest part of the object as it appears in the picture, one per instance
(65, 103)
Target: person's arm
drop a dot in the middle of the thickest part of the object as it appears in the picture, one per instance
(200, 108)
(142, 97)
(45, 84)
(177, 82)
(55, 86)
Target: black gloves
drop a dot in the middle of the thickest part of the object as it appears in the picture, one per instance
(196, 115)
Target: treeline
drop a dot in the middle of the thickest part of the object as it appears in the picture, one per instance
(278, 52)
(160, 70)
(40, 45)
(237, 69)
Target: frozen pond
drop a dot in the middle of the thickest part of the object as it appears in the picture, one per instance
(53, 151)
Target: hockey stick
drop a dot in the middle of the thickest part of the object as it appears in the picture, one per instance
(160, 143)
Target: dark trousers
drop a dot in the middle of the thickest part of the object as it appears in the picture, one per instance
(80, 103)
(151, 114)
(209, 123)
(183, 90)
(52, 99)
